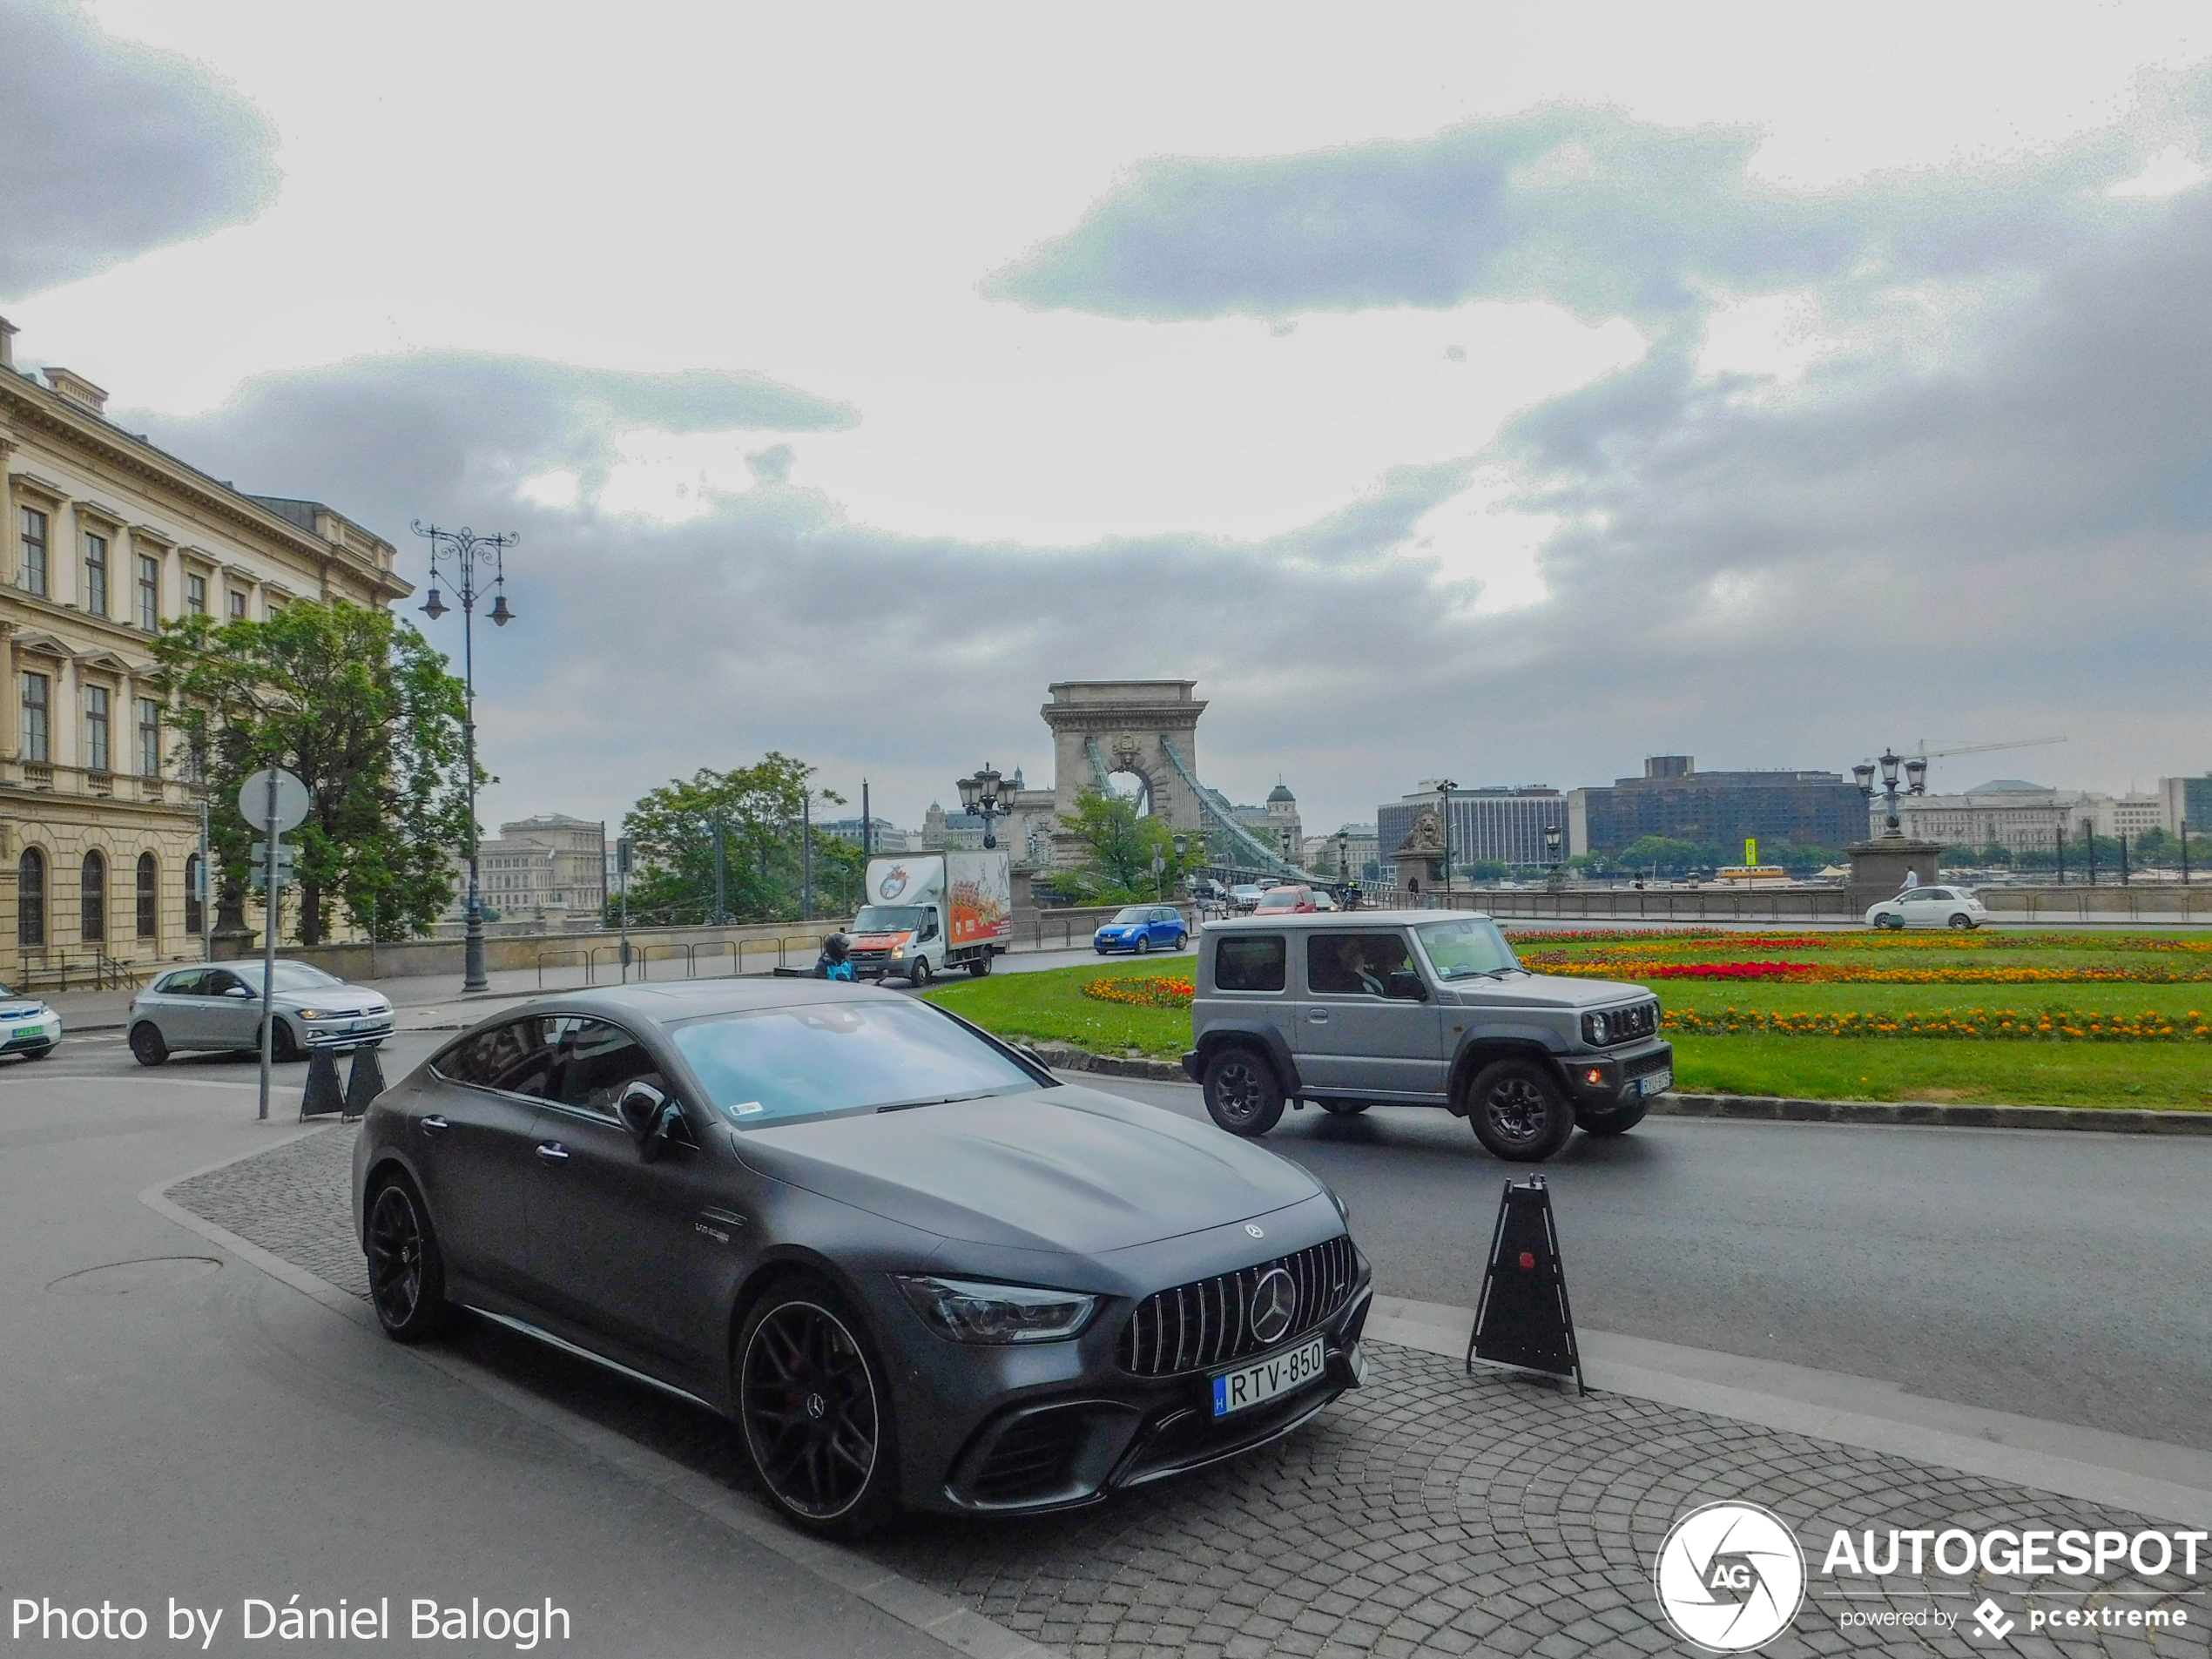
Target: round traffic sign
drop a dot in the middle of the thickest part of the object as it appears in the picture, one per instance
(291, 800)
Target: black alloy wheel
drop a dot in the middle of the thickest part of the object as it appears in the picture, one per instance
(407, 1275)
(1518, 1112)
(816, 1425)
(1242, 1094)
(1345, 1108)
(147, 1047)
(283, 1048)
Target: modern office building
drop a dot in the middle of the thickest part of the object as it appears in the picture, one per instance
(1505, 824)
(2189, 799)
(1673, 798)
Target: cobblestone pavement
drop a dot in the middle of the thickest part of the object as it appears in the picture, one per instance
(1430, 1513)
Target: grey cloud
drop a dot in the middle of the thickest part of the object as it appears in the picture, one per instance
(108, 150)
(385, 439)
(1602, 215)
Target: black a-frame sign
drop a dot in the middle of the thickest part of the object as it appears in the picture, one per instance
(1523, 1320)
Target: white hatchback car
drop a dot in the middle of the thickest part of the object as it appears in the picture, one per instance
(1929, 907)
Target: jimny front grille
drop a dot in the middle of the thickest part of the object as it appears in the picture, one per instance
(1208, 1322)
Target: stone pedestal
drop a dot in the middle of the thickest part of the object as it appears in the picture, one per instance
(231, 940)
(1420, 869)
(1878, 866)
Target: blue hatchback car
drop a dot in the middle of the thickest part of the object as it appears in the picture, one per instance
(1142, 928)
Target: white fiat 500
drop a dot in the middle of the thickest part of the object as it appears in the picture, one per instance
(1929, 907)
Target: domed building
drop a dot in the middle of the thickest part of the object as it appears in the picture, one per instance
(1283, 821)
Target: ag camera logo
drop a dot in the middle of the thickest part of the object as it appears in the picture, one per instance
(1730, 1577)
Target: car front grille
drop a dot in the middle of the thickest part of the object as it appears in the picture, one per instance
(1644, 1064)
(1206, 1323)
(1638, 1020)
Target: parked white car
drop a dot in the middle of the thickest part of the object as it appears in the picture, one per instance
(27, 1026)
(1929, 907)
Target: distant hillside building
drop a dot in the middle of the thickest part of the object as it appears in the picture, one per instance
(2010, 813)
(1675, 800)
(549, 872)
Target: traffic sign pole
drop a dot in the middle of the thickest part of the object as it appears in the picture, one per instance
(272, 899)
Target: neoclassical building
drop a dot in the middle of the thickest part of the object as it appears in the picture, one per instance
(103, 539)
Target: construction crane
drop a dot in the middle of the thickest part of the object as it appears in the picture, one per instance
(1926, 754)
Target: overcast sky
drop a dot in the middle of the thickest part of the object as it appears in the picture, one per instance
(1503, 392)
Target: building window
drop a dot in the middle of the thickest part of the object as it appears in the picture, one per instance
(96, 749)
(238, 605)
(38, 718)
(149, 738)
(31, 897)
(96, 575)
(149, 896)
(33, 551)
(196, 595)
(194, 910)
(149, 594)
(92, 904)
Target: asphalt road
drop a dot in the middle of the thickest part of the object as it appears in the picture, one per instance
(2059, 1276)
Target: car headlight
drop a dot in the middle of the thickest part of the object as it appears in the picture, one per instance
(1597, 1030)
(964, 1310)
(316, 1014)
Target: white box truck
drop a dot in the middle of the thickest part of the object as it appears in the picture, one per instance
(925, 913)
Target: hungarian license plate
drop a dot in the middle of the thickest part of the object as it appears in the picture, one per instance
(1658, 1083)
(1264, 1379)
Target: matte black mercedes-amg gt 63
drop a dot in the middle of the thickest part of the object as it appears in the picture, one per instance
(914, 1267)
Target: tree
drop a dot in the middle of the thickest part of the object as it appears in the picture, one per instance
(357, 703)
(759, 807)
(1661, 852)
(1122, 845)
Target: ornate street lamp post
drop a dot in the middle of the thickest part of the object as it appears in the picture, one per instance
(980, 794)
(1444, 788)
(456, 556)
(1916, 783)
(1555, 878)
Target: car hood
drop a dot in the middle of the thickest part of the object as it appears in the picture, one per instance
(338, 999)
(1066, 1169)
(1543, 991)
(11, 1006)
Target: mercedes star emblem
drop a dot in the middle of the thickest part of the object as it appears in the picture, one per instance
(1274, 1305)
(1255, 1230)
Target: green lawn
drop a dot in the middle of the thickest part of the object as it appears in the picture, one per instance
(1050, 1007)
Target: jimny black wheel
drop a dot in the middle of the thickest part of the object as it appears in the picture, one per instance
(813, 1412)
(1518, 1112)
(406, 1279)
(1242, 1094)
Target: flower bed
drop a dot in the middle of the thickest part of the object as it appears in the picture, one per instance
(1143, 990)
(2047, 1025)
(1619, 966)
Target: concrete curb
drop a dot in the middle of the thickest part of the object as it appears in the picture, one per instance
(2110, 1120)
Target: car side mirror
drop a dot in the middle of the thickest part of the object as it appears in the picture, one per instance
(237, 990)
(651, 1118)
(1405, 985)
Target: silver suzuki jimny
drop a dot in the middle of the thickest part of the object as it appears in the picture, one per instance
(1417, 1007)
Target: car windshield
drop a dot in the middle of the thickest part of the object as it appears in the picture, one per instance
(1131, 913)
(290, 977)
(889, 918)
(1462, 949)
(775, 1065)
